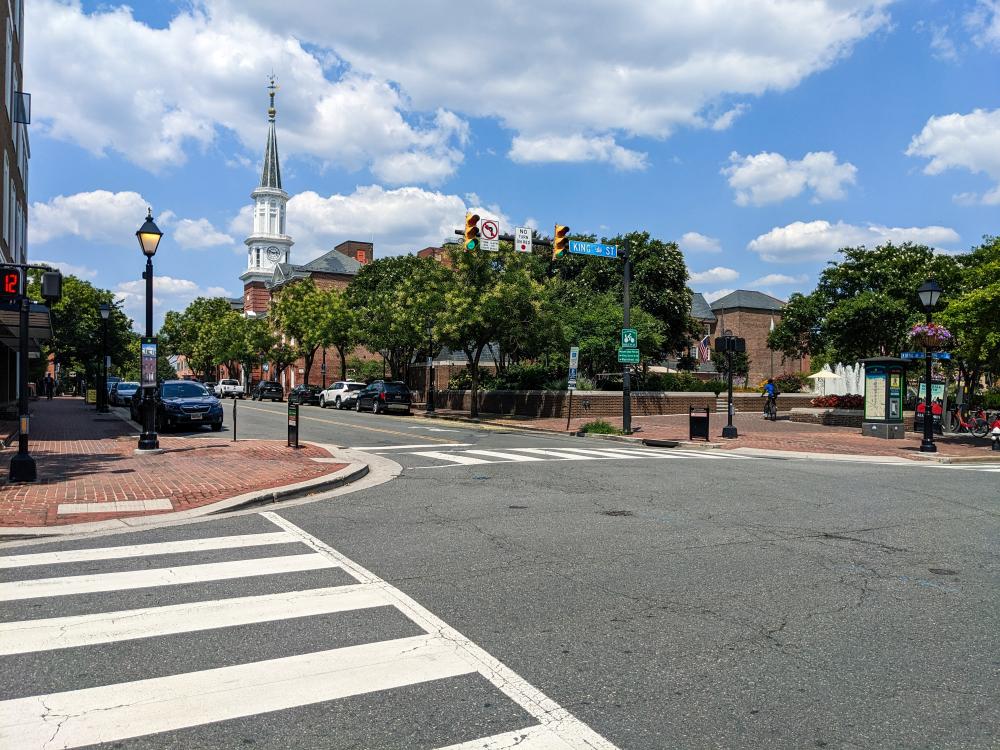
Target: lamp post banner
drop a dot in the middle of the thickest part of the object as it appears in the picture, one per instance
(148, 345)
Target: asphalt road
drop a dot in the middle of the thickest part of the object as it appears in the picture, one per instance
(543, 591)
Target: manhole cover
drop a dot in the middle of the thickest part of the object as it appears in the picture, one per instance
(618, 513)
(943, 571)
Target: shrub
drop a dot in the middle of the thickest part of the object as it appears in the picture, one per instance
(460, 381)
(850, 401)
(990, 399)
(523, 378)
(687, 363)
(791, 382)
(365, 370)
(715, 386)
(600, 427)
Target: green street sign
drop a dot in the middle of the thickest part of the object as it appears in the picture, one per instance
(628, 356)
(630, 338)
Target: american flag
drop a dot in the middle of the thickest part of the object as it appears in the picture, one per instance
(704, 354)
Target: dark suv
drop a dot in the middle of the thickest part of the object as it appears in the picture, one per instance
(382, 396)
(304, 394)
(271, 389)
(184, 403)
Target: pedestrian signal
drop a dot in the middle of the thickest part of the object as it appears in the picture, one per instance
(10, 283)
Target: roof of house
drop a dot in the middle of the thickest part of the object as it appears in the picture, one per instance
(748, 299)
(700, 309)
(334, 262)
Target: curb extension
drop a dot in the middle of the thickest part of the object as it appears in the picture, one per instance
(354, 471)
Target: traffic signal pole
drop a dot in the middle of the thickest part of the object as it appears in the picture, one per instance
(626, 383)
(22, 465)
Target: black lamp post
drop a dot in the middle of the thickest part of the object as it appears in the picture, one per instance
(102, 393)
(149, 238)
(429, 406)
(929, 294)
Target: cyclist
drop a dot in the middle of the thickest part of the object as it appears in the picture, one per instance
(771, 391)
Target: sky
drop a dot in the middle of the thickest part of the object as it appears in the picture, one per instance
(761, 137)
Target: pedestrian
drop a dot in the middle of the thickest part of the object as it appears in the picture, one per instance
(49, 386)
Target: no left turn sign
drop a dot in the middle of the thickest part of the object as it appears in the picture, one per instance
(490, 229)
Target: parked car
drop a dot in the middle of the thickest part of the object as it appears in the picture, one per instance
(112, 379)
(382, 396)
(268, 389)
(122, 393)
(304, 394)
(229, 388)
(334, 395)
(184, 403)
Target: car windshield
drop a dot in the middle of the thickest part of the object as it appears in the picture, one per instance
(395, 388)
(182, 390)
(355, 386)
(230, 382)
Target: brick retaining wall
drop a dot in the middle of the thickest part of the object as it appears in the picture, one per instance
(829, 417)
(600, 403)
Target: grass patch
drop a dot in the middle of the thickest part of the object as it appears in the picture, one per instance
(600, 427)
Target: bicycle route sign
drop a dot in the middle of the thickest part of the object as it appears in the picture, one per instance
(630, 338)
(628, 356)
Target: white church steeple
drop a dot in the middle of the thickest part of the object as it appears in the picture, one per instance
(268, 244)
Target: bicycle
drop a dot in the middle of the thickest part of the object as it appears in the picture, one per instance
(771, 408)
(978, 425)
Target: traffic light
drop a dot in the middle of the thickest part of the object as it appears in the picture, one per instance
(471, 231)
(560, 242)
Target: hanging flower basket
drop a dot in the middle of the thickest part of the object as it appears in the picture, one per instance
(930, 336)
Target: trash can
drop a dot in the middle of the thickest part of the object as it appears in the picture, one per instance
(698, 422)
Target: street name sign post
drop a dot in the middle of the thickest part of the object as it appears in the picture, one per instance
(522, 239)
(630, 338)
(578, 247)
(920, 355)
(628, 356)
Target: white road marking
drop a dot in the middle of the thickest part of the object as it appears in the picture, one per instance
(529, 738)
(573, 732)
(130, 709)
(552, 454)
(432, 429)
(614, 453)
(455, 458)
(376, 448)
(115, 506)
(107, 627)
(140, 579)
(145, 550)
(504, 456)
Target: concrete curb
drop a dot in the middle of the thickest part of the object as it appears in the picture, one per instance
(354, 471)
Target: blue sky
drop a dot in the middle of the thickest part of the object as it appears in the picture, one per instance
(760, 138)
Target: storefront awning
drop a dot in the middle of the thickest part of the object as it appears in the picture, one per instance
(39, 326)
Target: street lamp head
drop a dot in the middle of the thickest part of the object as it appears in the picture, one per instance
(929, 293)
(149, 235)
(105, 309)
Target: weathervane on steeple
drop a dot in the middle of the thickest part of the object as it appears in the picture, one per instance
(272, 88)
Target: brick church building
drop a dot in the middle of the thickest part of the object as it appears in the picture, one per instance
(269, 265)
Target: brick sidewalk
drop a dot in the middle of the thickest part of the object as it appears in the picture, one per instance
(757, 432)
(85, 457)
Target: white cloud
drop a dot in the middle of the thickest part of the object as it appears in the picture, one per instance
(575, 148)
(710, 297)
(969, 141)
(778, 279)
(820, 240)
(726, 119)
(402, 219)
(942, 46)
(81, 272)
(770, 177)
(169, 293)
(693, 242)
(199, 233)
(359, 85)
(984, 23)
(714, 275)
(98, 216)
(152, 94)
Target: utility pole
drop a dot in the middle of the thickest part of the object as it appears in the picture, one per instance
(626, 382)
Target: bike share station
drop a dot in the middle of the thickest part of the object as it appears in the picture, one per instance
(885, 384)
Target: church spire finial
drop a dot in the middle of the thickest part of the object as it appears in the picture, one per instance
(272, 88)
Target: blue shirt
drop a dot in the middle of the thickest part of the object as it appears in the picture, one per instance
(770, 390)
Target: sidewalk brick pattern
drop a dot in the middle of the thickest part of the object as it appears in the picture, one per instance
(84, 457)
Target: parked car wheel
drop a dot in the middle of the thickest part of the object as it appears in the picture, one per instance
(337, 403)
(217, 427)
(322, 402)
(357, 405)
(375, 407)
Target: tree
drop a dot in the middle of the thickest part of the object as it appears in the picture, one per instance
(300, 311)
(77, 326)
(487, 294)
(196, 334)
(658, 286)
(594, 324)
(394, 300)
(741, 365)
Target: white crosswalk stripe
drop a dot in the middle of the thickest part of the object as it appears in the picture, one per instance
(989, 468)
(472, 457)
(150, 703)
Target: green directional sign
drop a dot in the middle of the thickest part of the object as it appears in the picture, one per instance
(628, 356)
(630, 338)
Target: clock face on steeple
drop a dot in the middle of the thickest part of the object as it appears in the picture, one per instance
(273, 254)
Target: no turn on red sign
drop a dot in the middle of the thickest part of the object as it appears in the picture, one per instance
(522, 239)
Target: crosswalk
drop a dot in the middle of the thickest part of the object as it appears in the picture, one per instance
(459, 454)
(73, 619)
(989, 468)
